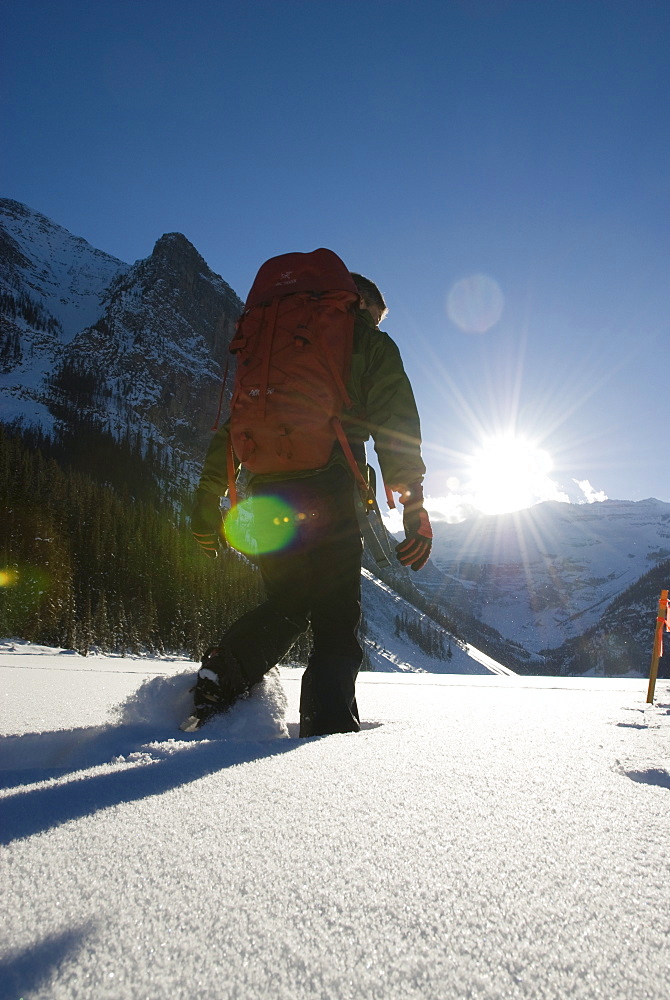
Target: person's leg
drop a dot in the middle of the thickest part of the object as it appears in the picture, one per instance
(256, 641)
(260, 638)
(328, 695)
(245, 653)
(317, 576)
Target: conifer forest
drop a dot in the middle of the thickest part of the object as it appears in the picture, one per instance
(95, 555)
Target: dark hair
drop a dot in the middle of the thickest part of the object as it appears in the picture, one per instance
(370, 292)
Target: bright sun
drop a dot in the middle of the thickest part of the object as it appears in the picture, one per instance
(509, 473)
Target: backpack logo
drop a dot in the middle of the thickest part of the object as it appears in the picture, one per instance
(286, 279)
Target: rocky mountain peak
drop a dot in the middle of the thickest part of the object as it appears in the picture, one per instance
(84, 336)
(16, 209)
(176, 272)
(174, 249)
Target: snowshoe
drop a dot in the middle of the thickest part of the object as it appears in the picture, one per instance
(219, 685)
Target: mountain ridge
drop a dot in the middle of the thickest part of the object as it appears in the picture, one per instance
(133, 347)
(139, 350)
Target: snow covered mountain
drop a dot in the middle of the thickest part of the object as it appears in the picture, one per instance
(85, 337)
(63, 274)
(138, 351)
(621, 640)
(398, 637)
(544, 575)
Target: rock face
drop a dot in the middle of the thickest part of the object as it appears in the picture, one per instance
(137, 349)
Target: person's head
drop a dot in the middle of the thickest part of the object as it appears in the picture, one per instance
(371, 298)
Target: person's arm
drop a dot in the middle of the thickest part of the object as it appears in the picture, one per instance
(214, 475)
(391, 415)
(393, 421)
(206, 520)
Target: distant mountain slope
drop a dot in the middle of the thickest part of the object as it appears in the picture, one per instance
(622, 638)
(546, 574)
(390, 648)
(61, 272)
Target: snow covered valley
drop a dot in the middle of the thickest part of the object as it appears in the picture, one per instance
(483, 837)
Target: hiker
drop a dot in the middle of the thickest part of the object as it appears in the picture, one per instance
(316, 578)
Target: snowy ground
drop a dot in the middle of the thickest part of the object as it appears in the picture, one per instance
(482, 837)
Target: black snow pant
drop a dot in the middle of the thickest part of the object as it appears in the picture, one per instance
(315, 579)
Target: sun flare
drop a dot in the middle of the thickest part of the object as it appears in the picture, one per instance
(509, 473)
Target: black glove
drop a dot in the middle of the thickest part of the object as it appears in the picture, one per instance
(414, 551)
(207, 523)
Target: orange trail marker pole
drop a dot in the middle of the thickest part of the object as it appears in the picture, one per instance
(661, 622)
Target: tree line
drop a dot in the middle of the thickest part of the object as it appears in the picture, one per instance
(96, 553)
(426, 637)
(86, 564)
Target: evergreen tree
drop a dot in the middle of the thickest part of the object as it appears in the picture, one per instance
(87, 564)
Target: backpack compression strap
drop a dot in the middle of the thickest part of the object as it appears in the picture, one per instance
(232, 472)
(348, 453)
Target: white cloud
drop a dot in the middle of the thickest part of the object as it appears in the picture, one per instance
(590, 495)
(455, 507)
(393, 520)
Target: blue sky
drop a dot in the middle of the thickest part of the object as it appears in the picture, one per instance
(511, 154)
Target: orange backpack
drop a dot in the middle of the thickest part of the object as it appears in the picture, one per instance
(293, 347)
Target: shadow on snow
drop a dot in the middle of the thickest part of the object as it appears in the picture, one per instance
(143, 754)
(27, 970)
(651, 776)
(38, 809)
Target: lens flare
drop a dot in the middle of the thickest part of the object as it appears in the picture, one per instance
(259, 525)
(8, 577)
(475, 303)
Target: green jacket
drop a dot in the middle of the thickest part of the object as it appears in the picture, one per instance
(383, 408)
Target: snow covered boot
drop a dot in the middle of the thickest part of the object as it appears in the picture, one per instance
(220, 684)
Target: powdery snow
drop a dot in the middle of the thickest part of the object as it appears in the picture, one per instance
(65, 273)
(482, 837)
